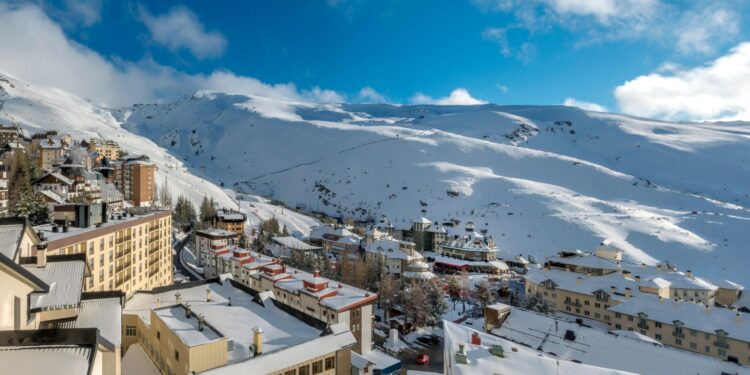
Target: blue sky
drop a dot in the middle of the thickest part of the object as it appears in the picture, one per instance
(416, 51)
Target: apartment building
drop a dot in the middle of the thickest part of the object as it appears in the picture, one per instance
(230, 220)
(398, 258)
(105, 148)
(311, 295)
(337, 240)
(138, 183)
(9, 134)
(220, 327)
(51, 152)
(283, 247)
(126, 252)
(46, 323)
(656, 301)
(213, 241)
(470, 246)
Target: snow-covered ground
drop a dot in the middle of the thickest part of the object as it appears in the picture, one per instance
(538, 178)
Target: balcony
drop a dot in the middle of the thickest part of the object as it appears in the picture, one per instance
(721, 344)
(572, 303)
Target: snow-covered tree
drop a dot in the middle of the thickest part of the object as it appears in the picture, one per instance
(435, 300)
(165, 195)
(485, 294)
(387, 294)
(31, 205)
(536, 302)
(207, 209)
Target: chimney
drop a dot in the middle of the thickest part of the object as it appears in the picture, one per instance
(475, 339)
(208, 294)
(643, 266)
(661, 299)
(637, 279)
(41, 235)
(258, 340)
(612, 289)
(708, 309)
(316, 273)
(41, 255)
(65, 226)
(188, 312)
(627, 292)
(201, 322)
(738, 317)
(689, 274)
(229, 301)
(177, 297)
(578, 280)
(158, 302)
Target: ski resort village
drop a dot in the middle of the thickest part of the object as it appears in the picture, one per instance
(360, 187)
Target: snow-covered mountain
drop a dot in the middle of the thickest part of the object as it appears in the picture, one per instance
(36, 107)
(538, 178)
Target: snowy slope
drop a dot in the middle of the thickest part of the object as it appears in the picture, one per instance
(35, 107)
(540, 179)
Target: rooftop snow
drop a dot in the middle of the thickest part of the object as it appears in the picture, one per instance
(236, 322)
(57, 359)
(51, 236)
(65, 280)
(295, 244)
(187, 329)
(595, 346)
(10, 235)
(518, 359)
(102, 313)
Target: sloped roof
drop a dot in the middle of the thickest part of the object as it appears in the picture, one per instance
(65, 280)
(11, 230)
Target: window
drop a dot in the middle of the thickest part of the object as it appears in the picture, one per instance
(678, 342)
(657, 324)
(330, 363)
(586, 303)
(658, 336)
(291, 372)
(618, 326)
(317, 367)
(618, 315)
(304, 370)
(708, 349)
(158, 335)
(630, 318)
(176, 356)
(693, 346)
(722, 353)
(130, 331)
(597, 305)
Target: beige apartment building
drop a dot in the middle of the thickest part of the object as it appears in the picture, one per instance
(125, 252)
(230, 220)
(218, 328)
(105, 148)
(674, 308)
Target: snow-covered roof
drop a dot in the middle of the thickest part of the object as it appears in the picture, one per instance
(53, 196)
(588, 261)
(422, 220)
(336, 295)
(187, 328)
(517, 359)
(229, 215)
(424, 275)
(380, 360)
(389, 248)
(11, 231)
(56, 175)
(470, 242)
(319, 231)
(294, 244)
(463, 262)
(75, 231)
(53, 359)
(215, 232)
(623, 350)
(281, 330)
(349, 240)
(102, 313)
(270, 362)
(65, 280)
(693, 315)
(51, 143)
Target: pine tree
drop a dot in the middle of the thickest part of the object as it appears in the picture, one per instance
(31, 205)
(19, 179)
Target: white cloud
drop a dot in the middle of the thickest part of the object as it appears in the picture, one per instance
(87, 12)
(589, 106)
(180, 29)
(691, 27)
(717, 90)
(503, 88)
(36, 49)
(369, 95)
(458, 96)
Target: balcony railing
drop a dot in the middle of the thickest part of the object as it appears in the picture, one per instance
(721, 344)
(572, 303)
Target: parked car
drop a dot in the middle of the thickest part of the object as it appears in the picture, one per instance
(425, 339)
(434, 339)
(423, 359)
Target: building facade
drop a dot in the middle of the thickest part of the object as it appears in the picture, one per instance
(124, 252)
(105, 148)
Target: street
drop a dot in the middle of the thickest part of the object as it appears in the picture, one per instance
(180, 273)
